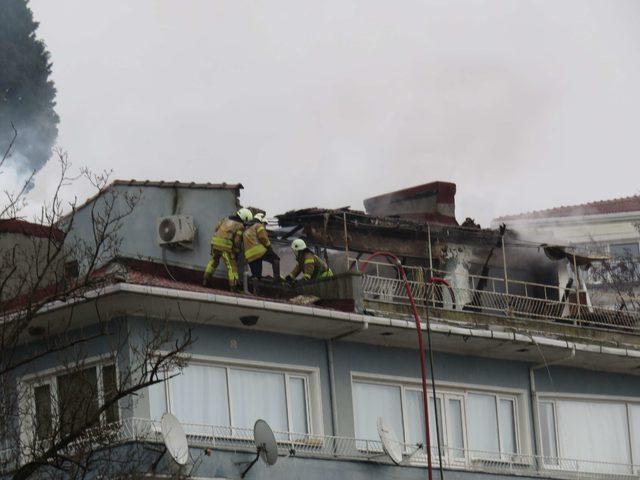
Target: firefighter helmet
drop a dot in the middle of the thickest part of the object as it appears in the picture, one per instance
(245, 214)
(298, 245)
(260, 217)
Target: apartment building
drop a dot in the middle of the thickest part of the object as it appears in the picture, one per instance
(528, 380)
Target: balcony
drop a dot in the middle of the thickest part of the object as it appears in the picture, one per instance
(334, 448)
(536, 303)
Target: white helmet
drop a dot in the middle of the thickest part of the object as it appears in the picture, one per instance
(260, 217)
(245, 214)
(298, 245)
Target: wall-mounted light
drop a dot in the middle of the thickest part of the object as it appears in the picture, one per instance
(249, 320)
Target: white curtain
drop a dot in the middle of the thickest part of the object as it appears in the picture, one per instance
(415, 417)
(258, 395)
(298, 397)
(634, 420)
(548, 432)
(199, 396)
(594, 432)
(157, 400)
(456, 433)
(483, 424)
(507, 425)
(372, 401)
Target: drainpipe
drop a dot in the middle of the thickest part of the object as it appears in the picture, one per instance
(332, 377)
(534, 400)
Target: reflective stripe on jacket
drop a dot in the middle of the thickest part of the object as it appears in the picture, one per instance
(255, 241)
(228, 235)
(311, 266)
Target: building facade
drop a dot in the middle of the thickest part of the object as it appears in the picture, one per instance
(525, 383)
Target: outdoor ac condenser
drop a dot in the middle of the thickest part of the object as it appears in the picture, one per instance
(176, 231)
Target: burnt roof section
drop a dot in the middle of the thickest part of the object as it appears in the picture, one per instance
(602, 207)
(15, 225)
(368, 233)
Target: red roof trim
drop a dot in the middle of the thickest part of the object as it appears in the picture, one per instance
(15, 225)
(602, 207)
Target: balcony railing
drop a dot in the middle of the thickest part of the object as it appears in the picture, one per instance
(337, 448)
(511, 298)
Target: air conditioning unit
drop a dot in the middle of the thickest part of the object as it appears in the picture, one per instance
(176, 231)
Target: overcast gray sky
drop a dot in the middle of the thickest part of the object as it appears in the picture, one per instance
(523, 104)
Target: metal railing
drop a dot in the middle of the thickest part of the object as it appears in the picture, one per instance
(512, 298)
(291, 444)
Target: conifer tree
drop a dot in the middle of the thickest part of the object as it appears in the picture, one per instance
(27, 95)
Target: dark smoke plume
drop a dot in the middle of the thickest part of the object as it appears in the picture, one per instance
(27, 95)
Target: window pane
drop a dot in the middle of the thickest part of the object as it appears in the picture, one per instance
(110, 389)
(199, 398)
(483, 424)
(298, 396)
(415, 418)
(507, 426)
(157, 400)
(634, 420)
(548, 432)
(594, 432)
(77, 399)
(257, 395)
(372, 401)
(432, 422)
(43, 411)
(456, 434)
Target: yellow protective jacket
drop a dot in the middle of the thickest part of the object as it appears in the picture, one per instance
(255, 240)
(311, 266)
(228, 236)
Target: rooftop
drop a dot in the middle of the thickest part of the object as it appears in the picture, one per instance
(601, 207)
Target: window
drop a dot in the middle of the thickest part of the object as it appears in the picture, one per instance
(65, 402)
(206, 395)
(600, 436)
(471, 423)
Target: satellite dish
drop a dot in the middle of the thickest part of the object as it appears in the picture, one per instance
(266, 445)
(390, 443)
(265, 442)
(174, 438)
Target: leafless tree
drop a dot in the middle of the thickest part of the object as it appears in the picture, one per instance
(60, 409)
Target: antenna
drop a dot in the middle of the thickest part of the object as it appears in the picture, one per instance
(266, 445)
(175, 440)
(390, 443)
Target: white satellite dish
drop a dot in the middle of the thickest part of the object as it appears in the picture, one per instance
(390, 443)
(175, 440)
(265, 442)
(266, 445)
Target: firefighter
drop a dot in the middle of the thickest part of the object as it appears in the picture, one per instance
(257, 247)
(310, 265)
(226, 243)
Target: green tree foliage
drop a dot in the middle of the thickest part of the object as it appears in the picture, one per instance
(27, 95)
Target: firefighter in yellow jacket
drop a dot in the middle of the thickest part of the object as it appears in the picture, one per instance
(310, 265)
(257, 247)
(226, 243)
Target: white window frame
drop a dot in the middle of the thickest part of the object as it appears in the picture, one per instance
(310, 375)
(554, 397)
(26, 385)
(460, 391)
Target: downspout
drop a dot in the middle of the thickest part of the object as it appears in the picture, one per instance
(332, 377)
(534, 401)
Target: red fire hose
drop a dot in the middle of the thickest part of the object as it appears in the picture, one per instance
(423, 366)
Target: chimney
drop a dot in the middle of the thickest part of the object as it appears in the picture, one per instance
(432, 202)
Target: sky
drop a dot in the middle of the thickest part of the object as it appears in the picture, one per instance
(523, 104)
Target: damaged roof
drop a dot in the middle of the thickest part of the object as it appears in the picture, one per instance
(368, 233)
(615, 205)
